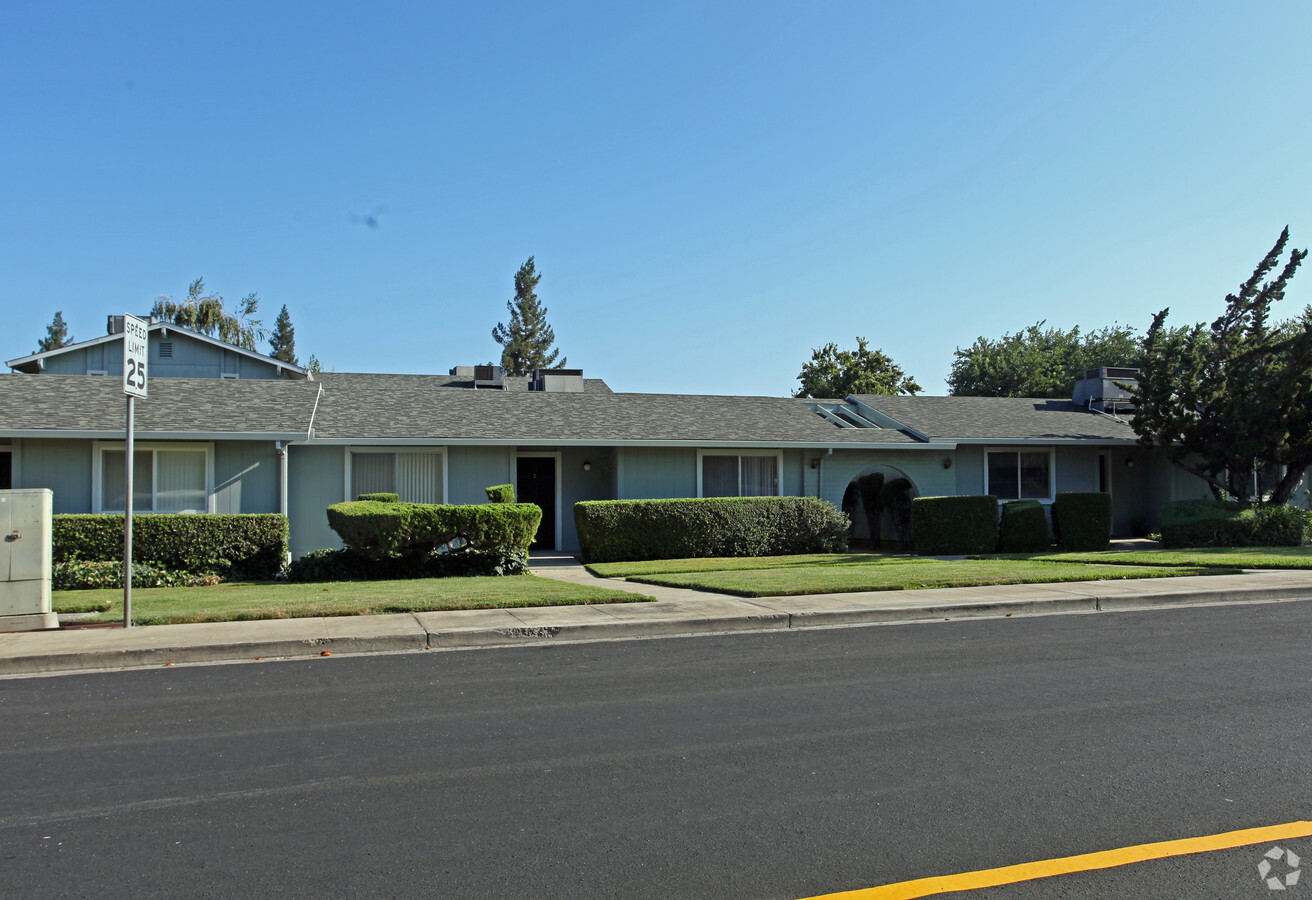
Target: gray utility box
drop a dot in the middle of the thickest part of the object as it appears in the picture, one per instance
(25, 560)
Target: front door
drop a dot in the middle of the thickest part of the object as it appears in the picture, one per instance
(536, 483)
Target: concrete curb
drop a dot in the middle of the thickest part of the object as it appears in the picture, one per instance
(33, 653)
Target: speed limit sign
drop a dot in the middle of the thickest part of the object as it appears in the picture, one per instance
(135, 343)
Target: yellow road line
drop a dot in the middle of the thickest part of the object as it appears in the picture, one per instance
(1105, 859)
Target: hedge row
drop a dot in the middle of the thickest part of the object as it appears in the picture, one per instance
(951, 526)
(1082, 520)
(85, 575)
(238, 546)
(1226, 523)
(378, 530)
(615, 530)
(345, 565)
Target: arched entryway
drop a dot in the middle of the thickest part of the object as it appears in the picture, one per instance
(882, 493)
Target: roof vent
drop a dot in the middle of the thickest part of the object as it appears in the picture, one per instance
(114, 325)
(557, 381)
(488, 376)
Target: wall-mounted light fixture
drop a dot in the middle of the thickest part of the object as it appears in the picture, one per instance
(1129, 462)
(947, 462)
(815, 462)
(587, 465)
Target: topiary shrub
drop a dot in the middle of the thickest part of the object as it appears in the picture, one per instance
(896, 497)
(1226, 523)
(501, 493)
(380, 530)
(1082, 520)
(954, 526)
(380, 498)
(1023, 527)
(615, 530)
(239, 546)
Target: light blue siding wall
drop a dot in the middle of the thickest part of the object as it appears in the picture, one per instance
(653, 473)
(598, 483)
(925, 469)
(190, 359)
(791, 479)
(472, 469)
(246, 477)
(315, 480)
(1077, 468)
(64, 466)
(968, 466)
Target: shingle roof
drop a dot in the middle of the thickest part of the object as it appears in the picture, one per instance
(417, 407)
(95, 404)
(998, 418)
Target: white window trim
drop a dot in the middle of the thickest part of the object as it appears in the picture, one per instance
(515, 481)
(1052, 470)
(778, 467)
(396, 463)
(98, 449)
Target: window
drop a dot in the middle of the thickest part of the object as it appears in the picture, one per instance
(725, 475)
(1019, 475)
(164, 479)
(415, 476)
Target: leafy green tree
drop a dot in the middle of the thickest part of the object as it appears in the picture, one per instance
(837, 373)
(1232, 403)
(56, 335)
(1039, 362)
(206, 314)
(282, 343)
(527, 340)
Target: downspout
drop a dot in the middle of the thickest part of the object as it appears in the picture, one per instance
(820, 475)
(282, 449)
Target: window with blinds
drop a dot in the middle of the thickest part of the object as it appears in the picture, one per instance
(414, 477)
(726, 475)
(163, 480)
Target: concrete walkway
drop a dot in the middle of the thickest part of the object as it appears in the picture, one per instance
(677, 612)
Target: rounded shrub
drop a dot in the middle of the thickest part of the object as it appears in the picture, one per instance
(1023, 527)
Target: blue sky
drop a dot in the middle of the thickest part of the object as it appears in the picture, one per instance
(711, 190)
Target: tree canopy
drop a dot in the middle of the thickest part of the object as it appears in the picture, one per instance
(282, 343)
(1232, 403)
(206, 314)
(56, 335)
(527, 340)
(837, 373)
(1040, 362)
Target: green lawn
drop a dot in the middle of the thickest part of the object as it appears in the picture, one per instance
(904, 573)
(728, 563)
(282, 600)
(1238, 557)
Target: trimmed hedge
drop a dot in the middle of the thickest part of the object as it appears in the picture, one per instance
(501, 493)
(954, 526)
(1082, 520)
(1023, 527)
(237, 546)
(1226, 523)
(381, 498)
(617, 530)
(85, 575)
(379, 530)
(344, 565)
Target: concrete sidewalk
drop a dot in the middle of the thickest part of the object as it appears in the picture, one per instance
(677, 612)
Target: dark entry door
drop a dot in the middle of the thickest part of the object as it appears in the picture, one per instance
(536, 483)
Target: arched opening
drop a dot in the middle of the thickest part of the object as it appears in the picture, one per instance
(878, 500)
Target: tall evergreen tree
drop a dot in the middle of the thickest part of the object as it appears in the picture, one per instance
(56, 335)
(1233, 404)
(527, 340)
(282, 343)
(206, 314)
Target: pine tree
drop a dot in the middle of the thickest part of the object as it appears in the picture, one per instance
(282, 343)
(56, 335)
(528, 339)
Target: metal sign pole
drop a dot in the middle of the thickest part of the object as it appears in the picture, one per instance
(127, 522)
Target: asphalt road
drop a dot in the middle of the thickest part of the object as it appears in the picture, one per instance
(773, 765)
